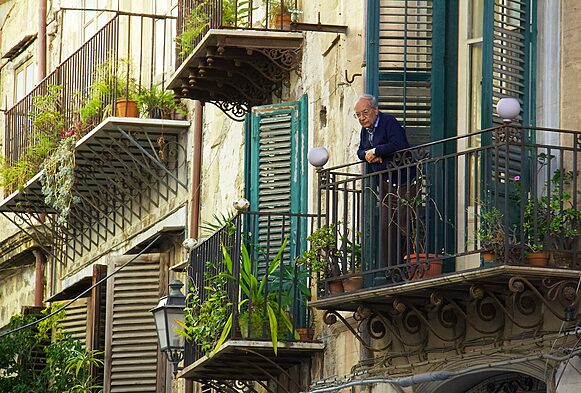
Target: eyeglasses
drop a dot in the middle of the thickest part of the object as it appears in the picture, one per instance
(364, 113)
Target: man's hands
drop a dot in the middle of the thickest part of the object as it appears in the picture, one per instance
(372, 158)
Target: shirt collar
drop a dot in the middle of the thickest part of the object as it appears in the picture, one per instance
(372, 129)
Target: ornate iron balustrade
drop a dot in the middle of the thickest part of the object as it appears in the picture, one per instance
(138, 43)
(285, 288)
(196, 17)
(444, 206)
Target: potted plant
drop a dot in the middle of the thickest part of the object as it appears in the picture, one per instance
(156, 103)
(205, 319)
(323, 256)
(535, 228)
(113, 81)
(279, 14)
(564, 219)
(259, 308)
(199, 21)
(491, 234)
(408, 204)
(354, 281)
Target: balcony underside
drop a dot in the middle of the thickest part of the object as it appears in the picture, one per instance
(124, 168)
(500, 280)
(238, 69)
(246, 360)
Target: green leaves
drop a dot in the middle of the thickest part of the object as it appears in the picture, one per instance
(67, 367)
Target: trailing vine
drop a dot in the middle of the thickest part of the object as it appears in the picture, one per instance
(59, 177)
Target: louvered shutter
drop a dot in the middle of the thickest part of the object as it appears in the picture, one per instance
(276, 174)
(507, 63)
(405, 64)
(75, 321)
(131, 345)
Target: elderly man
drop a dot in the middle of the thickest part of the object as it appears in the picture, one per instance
(381, 137)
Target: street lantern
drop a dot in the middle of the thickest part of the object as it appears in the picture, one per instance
(169, 310)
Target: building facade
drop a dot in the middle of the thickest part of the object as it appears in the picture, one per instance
(262, 83)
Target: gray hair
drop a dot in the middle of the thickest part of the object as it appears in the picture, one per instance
(369, 98)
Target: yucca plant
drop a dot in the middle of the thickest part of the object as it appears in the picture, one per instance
(258, 299)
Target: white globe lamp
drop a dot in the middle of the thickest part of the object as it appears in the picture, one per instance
(318, 156)
(508, 109)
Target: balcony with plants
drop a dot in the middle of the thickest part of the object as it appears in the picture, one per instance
(96, 137)
(487, 217)
(236, 54)
(247, 295)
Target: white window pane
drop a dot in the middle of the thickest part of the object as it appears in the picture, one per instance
(29, 78)
(20, 85)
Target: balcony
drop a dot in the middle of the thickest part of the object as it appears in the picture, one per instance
(449, 253)
(237, 54)
(257, 284)
(117, 169)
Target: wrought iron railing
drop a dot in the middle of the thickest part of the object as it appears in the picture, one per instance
(196, 17)
(253, 241)
(504, 193)
(134, 50)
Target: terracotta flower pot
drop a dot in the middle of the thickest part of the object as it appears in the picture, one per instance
(306, 334)
(487, 256)
(352, 283)
(126, 108)
(336, 286)
(434, 270)
(538, 258)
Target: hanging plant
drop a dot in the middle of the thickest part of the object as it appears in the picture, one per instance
(59, 176)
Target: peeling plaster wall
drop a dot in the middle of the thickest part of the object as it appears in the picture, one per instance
(16, 291)
(222, 163)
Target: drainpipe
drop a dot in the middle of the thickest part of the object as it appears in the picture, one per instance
(42, 41)
(39, 278)
(196, 171)
(193, 230)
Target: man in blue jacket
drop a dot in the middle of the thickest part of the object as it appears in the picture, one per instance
(381, 137)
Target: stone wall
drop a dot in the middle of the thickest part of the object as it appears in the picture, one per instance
(16, 291)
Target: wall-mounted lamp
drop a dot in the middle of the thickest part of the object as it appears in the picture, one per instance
(508, 109)
(318, 157)
(169, 310)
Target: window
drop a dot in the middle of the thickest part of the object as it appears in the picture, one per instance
(24, 80)
(164, 33)
(94, 20)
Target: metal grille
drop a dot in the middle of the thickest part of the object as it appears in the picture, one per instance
(405, 64)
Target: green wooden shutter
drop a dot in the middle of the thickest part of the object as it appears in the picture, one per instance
(508, 61)
(276, 174)
(405, 64)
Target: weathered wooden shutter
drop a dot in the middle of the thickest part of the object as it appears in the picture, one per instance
(276, 171)
(405, 64)
(76, 319)
(132, 363)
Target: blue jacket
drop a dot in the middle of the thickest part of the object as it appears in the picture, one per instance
(389, 137)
